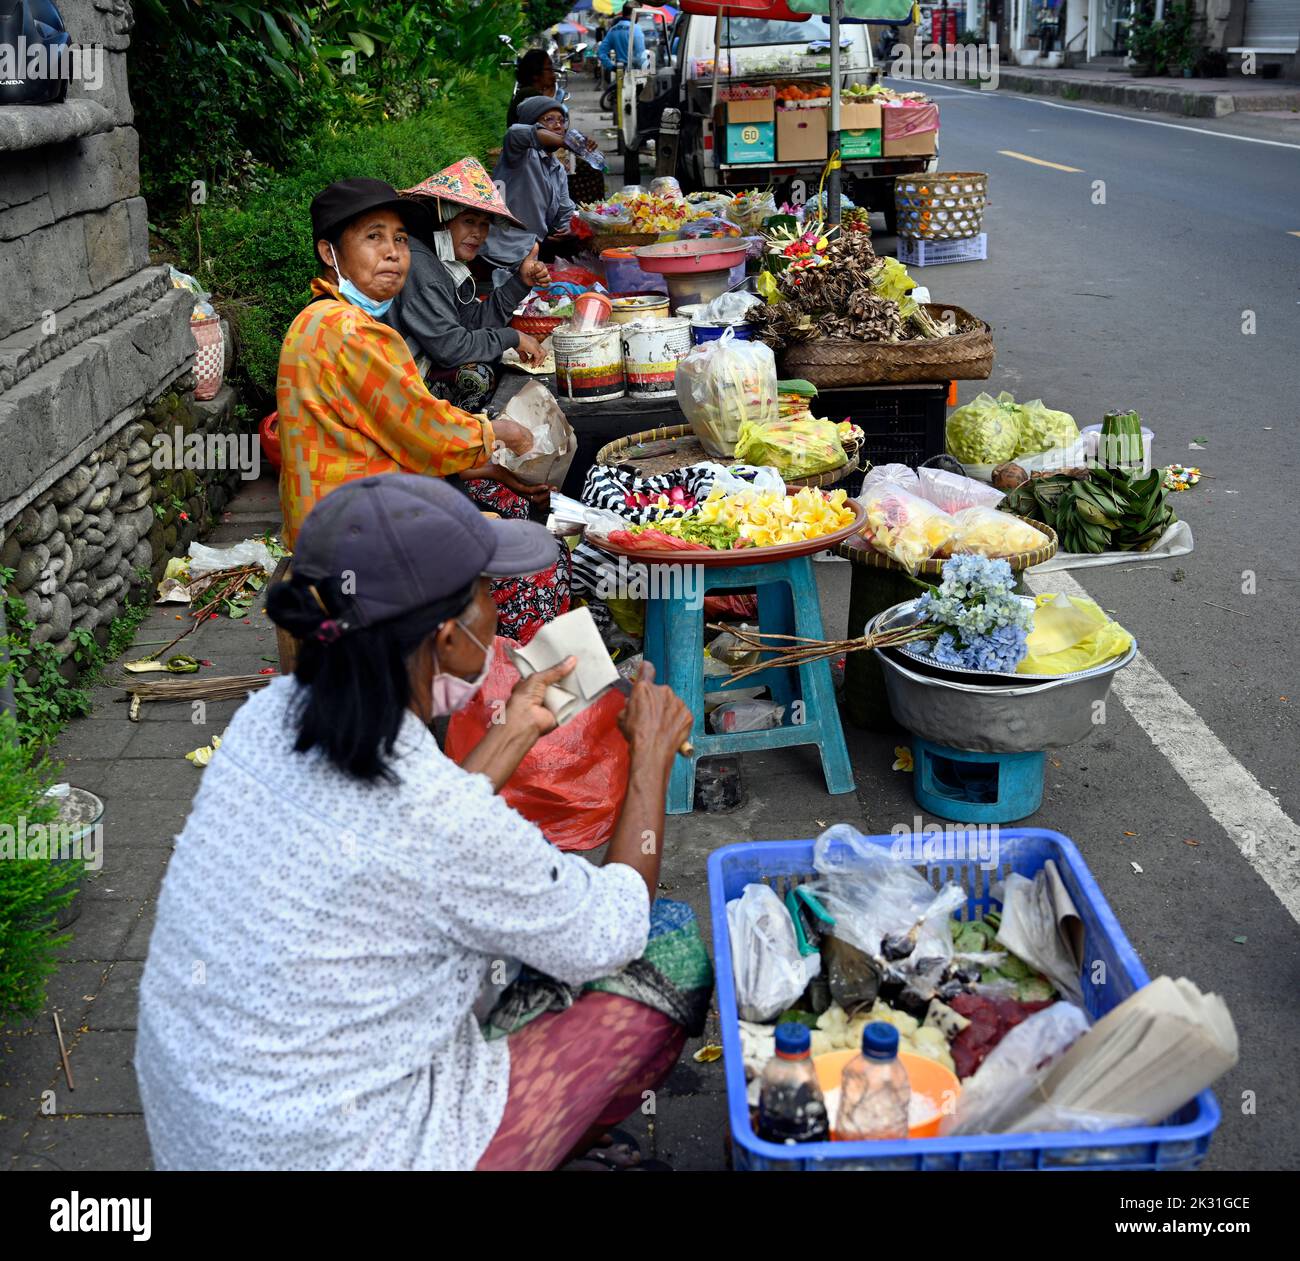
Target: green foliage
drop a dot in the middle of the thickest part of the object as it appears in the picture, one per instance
(32, 890)
(257, 253)
(45, 706)
(223, 90)
(1180, 46)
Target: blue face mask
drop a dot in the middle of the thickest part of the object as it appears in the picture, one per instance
(350, 293)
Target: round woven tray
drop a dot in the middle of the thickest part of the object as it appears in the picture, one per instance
(621, 240)
(862, 552)
(835, 362)
(709, 559)
(687, 450)
(539, 326)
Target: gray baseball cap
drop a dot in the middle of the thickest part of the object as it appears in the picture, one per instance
(402, 542)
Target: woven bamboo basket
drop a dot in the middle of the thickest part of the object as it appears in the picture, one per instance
(687, 450)
(945, 206)
(621, 240)
(860, 550)
(834, 362)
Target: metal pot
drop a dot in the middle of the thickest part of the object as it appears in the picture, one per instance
(998, 717)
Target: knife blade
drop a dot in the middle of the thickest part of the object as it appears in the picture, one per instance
(685, 749)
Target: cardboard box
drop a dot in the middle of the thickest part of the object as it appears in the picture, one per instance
(860, 144)
(922, 145)
(801, 135)
(751, 111)
(909, 120)
(751, 142)
(855, 117)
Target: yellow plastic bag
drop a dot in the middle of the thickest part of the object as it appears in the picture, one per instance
(795, 448)
(1071, 634)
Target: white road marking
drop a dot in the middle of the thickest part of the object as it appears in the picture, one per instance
(1266, 836)
(1128, 118)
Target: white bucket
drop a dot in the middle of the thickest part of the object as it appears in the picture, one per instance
(589, 366)
(651, 352)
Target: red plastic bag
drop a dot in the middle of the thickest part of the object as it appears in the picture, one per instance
(572, 783)
(722, 608)
(574, 276)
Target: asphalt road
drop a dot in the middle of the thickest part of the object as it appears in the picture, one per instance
(1134, 301)
(1128, 283)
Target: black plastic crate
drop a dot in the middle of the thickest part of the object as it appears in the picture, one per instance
(903, 423)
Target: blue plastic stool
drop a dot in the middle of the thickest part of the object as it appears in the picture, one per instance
(787, 605)
(976, 787)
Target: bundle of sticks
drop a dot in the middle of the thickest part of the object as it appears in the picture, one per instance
(217, 688)
(797, 650)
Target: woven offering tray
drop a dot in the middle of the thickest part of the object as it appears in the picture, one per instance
(673, 447)
(835, 361)
(862, 552)
(710, 559)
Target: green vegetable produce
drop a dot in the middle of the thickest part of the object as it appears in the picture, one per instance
(1041, 428)
(984, 431)
(1100, 511)
(714, 534)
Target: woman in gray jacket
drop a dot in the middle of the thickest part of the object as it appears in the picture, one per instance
(456, 340)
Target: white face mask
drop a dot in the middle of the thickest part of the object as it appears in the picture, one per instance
(350, 293)
(450, 691)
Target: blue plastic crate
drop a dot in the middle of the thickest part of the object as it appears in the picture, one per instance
(1180, 1143)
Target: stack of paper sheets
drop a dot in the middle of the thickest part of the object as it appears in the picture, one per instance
(1141, 1062)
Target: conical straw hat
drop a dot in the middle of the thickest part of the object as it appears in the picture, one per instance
(466, 183)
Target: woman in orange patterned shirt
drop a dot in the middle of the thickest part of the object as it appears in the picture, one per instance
(351, 400)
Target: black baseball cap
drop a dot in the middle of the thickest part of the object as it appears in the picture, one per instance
(402, 542)
(336, 206)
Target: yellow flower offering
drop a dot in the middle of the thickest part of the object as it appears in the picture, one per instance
(766, 518)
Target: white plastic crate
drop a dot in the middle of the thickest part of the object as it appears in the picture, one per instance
(920, 252)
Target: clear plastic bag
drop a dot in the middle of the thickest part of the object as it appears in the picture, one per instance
(728, 308)
(796, 448)
(872, 896)
(729, 481)
(722, 383)
(665, 186)
(205, 560)
(952, 492)
(612, 220)
(753, 715)
(770, 973)
(997, 1093)
(988, 532)
(748, 211)
(905, 527)
(883, 475)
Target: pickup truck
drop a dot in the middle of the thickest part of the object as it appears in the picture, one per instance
(687, 83)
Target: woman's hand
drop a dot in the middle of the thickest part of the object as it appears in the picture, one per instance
(525, 707)
(533, 273)
(655, 721)
(513, 435)
(529, 348)
(538, 493)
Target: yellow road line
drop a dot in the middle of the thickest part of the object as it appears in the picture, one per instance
(1056, 166)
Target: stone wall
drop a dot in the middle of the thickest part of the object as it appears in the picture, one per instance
(90, 542)
(90, 337)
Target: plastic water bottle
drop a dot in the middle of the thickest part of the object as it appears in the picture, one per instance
(791, 1108)
(874, 1091)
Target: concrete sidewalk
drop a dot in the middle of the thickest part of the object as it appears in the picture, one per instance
(140, 771)
(1193, 98)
